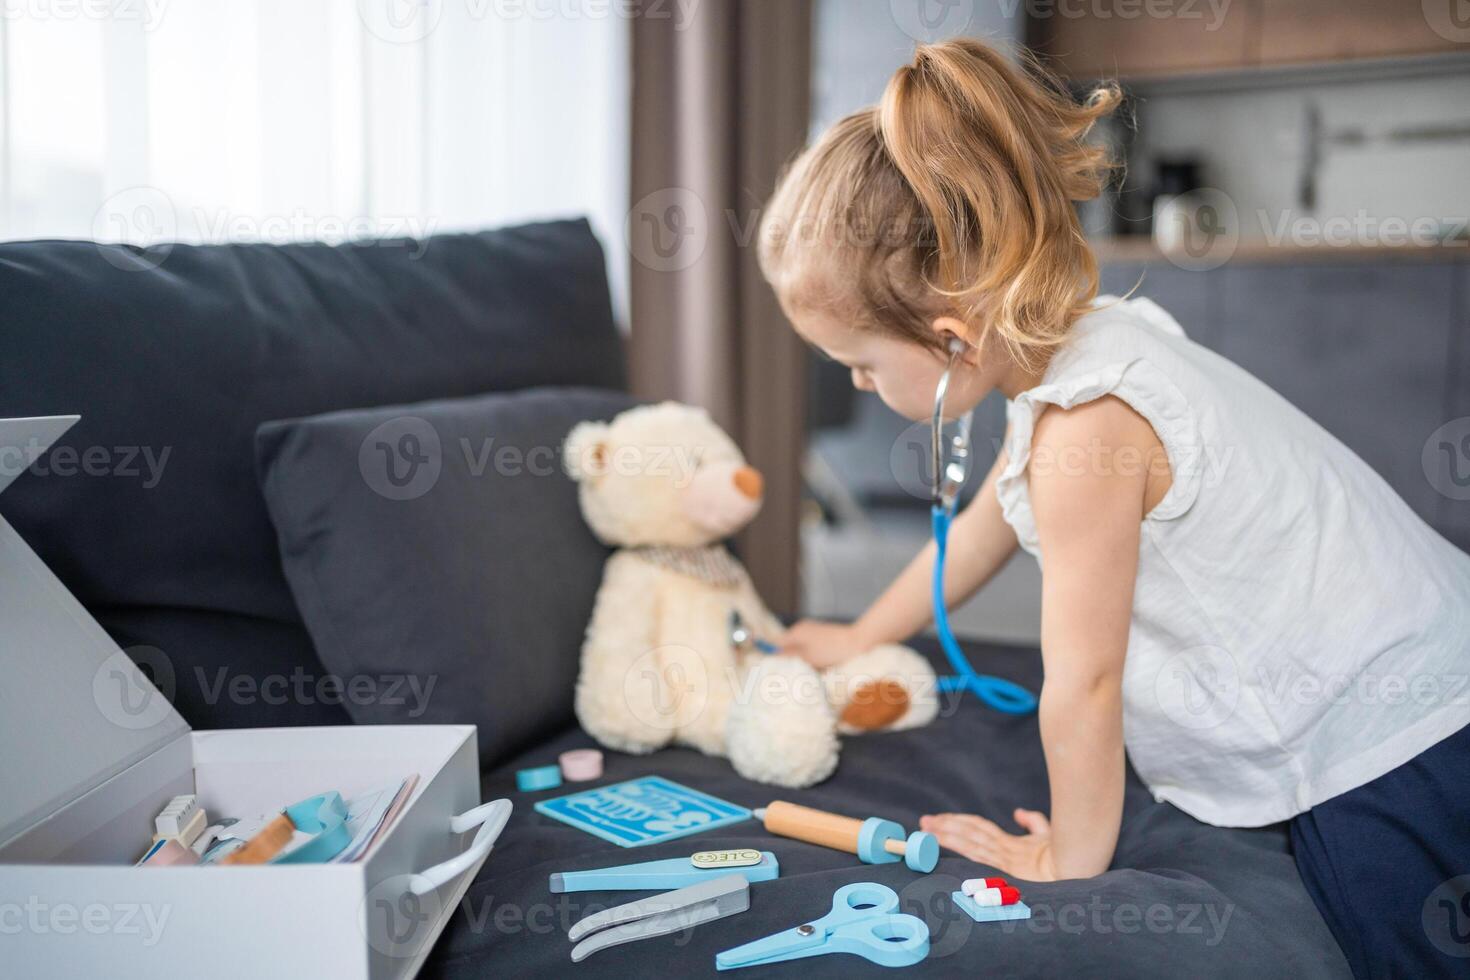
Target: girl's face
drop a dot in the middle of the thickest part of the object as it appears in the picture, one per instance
(903, 373)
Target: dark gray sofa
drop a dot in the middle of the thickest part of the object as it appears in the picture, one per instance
(190, 350)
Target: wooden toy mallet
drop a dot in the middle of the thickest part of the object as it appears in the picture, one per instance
(874, 840)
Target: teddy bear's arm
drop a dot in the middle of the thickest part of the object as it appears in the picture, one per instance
(622, 697)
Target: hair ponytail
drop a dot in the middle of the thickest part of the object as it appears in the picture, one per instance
(981, 161)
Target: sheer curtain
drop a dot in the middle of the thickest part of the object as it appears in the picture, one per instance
(279, 120)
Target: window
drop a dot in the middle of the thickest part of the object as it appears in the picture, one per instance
(277, 120)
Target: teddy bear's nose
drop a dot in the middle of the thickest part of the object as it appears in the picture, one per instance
(748, 480)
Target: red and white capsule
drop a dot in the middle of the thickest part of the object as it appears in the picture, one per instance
(971, 885)
(985, 897)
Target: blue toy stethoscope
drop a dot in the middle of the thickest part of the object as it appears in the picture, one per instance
(951, 470)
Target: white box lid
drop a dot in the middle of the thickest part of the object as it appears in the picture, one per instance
(74, 709)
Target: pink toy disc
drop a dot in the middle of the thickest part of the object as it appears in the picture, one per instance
(580, 765)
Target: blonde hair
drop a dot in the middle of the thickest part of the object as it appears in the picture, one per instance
(952, 196)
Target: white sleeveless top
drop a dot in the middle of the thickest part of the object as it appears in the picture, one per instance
(1297, 630)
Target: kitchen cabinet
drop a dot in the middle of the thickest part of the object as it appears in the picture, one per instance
(1364, 349)
(1294, 31)
(1376, 351)
(1189, 37)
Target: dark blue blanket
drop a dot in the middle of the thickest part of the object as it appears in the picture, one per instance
(1182, 899)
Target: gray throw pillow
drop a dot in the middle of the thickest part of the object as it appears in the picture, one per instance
(439, 557)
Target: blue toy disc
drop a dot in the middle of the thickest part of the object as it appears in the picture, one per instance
(922, 852)
(541, 777)
(875, 833)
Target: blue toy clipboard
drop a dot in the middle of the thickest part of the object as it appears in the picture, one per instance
(642, 811)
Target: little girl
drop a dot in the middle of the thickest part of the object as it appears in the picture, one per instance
(1227, 590)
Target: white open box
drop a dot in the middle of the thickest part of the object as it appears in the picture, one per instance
(90, 751)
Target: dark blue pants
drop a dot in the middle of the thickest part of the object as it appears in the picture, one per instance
(1388, 864)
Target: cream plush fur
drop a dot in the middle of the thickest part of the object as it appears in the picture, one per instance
(665, 485)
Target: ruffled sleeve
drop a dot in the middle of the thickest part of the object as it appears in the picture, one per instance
(1144, 388)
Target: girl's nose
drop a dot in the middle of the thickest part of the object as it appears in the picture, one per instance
(861, 381)
(748, 481)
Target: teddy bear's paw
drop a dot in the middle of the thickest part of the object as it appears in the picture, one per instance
(607, 718)
(781, 730)
(888, 688)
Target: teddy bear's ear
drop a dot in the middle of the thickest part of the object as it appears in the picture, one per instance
(585, 451)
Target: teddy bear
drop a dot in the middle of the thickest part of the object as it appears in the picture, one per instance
(664, 485)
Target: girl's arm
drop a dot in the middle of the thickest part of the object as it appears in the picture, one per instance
(1088, 503)
(980, 542)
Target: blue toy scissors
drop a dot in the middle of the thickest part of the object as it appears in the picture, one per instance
(863, 921)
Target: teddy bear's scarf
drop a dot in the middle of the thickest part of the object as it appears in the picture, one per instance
(711, 564)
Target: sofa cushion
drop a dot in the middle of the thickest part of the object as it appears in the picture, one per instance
(174, 359)
(439, 556)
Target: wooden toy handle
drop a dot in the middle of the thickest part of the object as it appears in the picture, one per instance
(813, 826)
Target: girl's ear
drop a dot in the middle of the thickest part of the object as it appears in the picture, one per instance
(948, 330)
(584, 454)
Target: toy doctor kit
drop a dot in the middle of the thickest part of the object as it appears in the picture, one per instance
(660, 915)
(948, 478)
(864, 921)
(642, 811)
(751, 865)
(874, 840)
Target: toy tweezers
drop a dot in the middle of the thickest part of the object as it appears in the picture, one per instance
(660, 915)
(669, 873)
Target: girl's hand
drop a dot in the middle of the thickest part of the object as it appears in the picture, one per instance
(1027, 857)
(821, 644)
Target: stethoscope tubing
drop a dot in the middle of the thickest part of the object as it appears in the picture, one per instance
(1001, 694)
